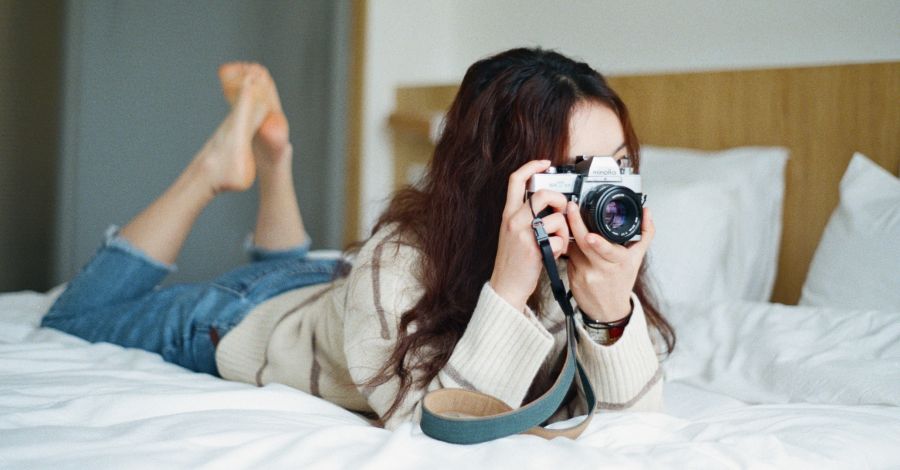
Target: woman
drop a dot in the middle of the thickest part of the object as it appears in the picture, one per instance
(446, 291)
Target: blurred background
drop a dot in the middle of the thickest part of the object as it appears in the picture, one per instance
(102, 103)
(105, 102)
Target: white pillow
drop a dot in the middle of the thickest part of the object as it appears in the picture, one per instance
(693, 239)
(750, 180)
(857, 262)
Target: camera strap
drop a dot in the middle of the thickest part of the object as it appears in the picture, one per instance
(468, 417)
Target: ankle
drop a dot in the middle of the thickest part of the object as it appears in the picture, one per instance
(274, 164)
(275, 178)
(205, 173)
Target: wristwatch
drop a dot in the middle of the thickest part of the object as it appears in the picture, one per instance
(606, 333)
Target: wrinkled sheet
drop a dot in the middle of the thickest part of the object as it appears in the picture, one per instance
(749, 386)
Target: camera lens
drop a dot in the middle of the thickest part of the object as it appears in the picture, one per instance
(612, 211)
(614, 214)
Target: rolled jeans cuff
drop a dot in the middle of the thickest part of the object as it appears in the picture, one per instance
(113, 239)
(258, 253)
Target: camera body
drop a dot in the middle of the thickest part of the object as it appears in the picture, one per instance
(607, 192)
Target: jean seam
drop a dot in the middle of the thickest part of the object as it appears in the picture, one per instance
(312, 268)
(241, 295)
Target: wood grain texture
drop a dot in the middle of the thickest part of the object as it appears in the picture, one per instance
(411, 125)
(821, 114)
(352, 191)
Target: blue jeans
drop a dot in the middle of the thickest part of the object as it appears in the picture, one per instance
(116, 298)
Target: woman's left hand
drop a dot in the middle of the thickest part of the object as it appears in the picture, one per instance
(601, 273)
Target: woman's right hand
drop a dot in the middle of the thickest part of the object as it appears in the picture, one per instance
(518, 265)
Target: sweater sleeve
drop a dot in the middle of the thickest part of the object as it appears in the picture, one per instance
(499, 353)
(626, 375)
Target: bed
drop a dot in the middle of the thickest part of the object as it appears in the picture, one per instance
(755, 380)
(790, 394)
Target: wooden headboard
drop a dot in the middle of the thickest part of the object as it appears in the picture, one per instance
(821, 114)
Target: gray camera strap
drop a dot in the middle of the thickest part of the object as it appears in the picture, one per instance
(468, 417)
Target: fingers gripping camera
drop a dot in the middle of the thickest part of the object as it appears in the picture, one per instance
(607, 192)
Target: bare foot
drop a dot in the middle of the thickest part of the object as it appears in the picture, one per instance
(227, 158)
(271, 141)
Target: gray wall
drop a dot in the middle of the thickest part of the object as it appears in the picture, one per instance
(141, 97)
(29, 99)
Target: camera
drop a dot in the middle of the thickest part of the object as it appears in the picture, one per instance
(607, 192)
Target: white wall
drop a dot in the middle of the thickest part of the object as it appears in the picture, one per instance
(421, 42)
(406, 42)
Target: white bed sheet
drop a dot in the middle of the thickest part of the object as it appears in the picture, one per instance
(750, 386)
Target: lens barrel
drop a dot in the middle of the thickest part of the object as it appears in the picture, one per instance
(612, 211)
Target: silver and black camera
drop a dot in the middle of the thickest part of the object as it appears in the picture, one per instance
(607, 192)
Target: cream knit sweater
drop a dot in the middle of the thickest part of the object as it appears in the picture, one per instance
(326, 339)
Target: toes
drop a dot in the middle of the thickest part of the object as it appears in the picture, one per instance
(242, 95)
(252, 98)
(229, 71)
(267, 83)
(230, 76)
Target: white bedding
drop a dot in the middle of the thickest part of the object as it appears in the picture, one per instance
(750, 385)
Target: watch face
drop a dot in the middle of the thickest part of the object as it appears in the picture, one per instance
(598, 335)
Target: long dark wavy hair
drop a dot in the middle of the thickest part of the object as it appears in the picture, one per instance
(511, 108)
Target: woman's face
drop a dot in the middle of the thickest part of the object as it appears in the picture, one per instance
(595, 130)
